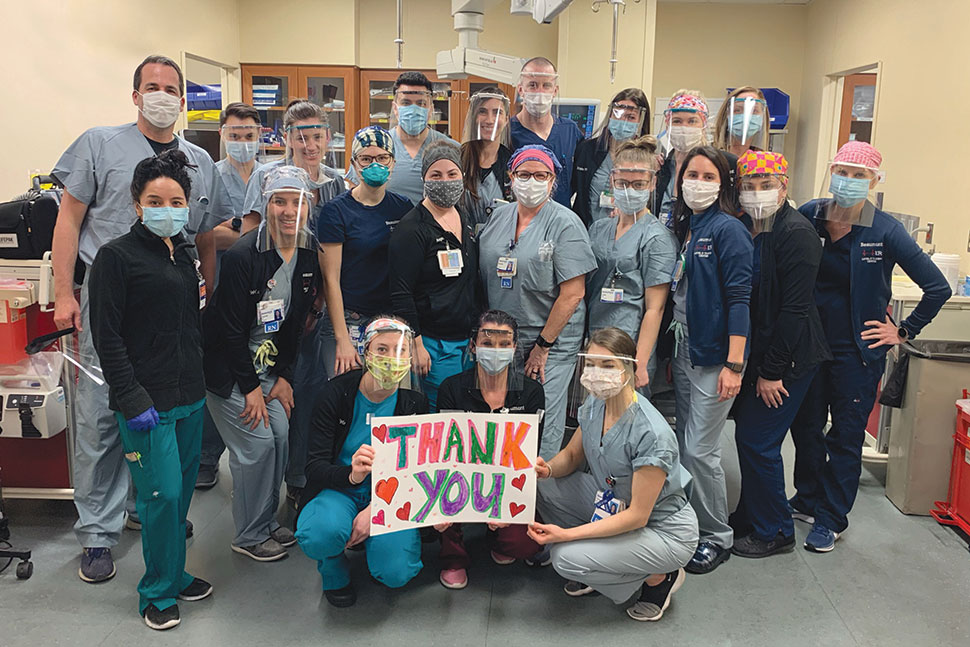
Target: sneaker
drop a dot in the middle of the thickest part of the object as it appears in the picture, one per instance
(96, 565)
(707, 557)
(821, 539)
(654, 600)
(268, 551)
(754, 548)
(542, 558)
(284, 536)
(502, 560)
(208, 476)
(798, 515)
(345, 597)
(189, 529)
(577, 589)
(453, 578)
(162, 620)
(199, 589)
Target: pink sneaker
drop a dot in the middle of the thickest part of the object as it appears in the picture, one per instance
(453, 578)
(503, 560)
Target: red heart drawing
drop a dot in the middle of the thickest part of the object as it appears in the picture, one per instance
(378, 519)
(515, 508)
(386, 489)
(404, 511)
(519, 481)
(381, 433)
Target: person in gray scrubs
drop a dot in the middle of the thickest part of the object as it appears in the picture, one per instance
(485, 155)
(252, 335)
(533, 258)
(95, 172)
(615, 499)
(635, 256)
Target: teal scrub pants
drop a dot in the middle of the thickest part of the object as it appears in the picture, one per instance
(323, 530)
(164, 463)
(447, 359)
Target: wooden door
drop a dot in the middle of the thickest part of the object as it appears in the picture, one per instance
(858, 108)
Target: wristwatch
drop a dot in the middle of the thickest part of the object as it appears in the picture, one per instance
(236, 224)
(542, 343)
(737, 367)
(316, 314)
(903, 333)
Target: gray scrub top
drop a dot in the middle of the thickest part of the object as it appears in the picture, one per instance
(639, 438)
(535, 285)
(643, 257)
(680, 301)
(235, 185)
(406, 177)
(599, 183)
(281, 289)
(479, 211)
(668, 200)
(330, 185)
(97, 170)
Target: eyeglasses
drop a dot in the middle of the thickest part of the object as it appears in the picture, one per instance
(639, 185)
(367, 160)
(541, 176)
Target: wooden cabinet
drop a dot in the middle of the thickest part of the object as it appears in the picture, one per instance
(377, 95)
(471, 85)
(269, 88)
(858, 108)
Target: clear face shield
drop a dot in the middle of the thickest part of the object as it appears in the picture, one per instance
(602, 374)
(487, 119)
(387, 348)
(306, 145)
(747, 123)
(287, 202)
(632, 187)
(761, 197)
(241, 143)
(625, 119)
(684, 130)
(412, 111)
(849, 185)
(497, 358)
(537, 91)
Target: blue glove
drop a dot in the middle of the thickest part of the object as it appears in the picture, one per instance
(144, 421)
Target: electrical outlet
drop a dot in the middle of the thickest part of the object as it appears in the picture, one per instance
(929, 233)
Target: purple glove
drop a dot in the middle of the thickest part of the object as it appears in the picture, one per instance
(144, 421)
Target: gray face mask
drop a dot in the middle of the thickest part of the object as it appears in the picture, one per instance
(444, 193)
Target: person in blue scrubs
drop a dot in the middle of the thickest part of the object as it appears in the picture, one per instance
(354, 231)
(433, 261)
(861, 246)
(239, 130)
(411, 134)
(533, 258)
(635, 257)
(95, 172)
(334, 508)
(787, 346)
(538, 124)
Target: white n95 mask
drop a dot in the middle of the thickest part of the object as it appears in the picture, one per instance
(537, 104)
(161, 109)
(684, 138)
(531, 193)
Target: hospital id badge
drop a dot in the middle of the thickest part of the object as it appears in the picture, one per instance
(611, 295)
(450, 262)
(271, 327)
(506, 266)
(198, 274)
(270, 311)
(606, 200)
(677, 274)
(606, 505)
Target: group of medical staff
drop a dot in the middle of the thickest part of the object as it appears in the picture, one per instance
(270, 309)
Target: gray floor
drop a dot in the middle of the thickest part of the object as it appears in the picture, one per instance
(892, 580)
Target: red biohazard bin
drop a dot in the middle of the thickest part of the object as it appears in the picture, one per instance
(955, 511)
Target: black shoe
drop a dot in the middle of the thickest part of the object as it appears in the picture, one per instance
(189, 529)
(654, 600)
(208, 476)
(345, 597)
(162, 620)
(293, 495)
(706, 558)
(199, 589)
(754, 548)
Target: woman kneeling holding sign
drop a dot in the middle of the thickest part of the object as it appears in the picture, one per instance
(335, 508)
(625, 527)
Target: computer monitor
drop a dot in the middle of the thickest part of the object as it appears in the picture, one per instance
(583, 111)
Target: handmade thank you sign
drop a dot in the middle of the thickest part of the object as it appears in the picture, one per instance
(457, 467)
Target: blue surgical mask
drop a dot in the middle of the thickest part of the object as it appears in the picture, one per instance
(165, 222)
(242, 152)
(755, 123)
(621, 129)
(375, 174)
(494, 360)
(413, 118)
(631, 201)
(848, 190)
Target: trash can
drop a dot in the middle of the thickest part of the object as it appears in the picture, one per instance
(921, 436)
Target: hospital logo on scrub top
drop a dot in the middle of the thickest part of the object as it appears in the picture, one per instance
(307, 281)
